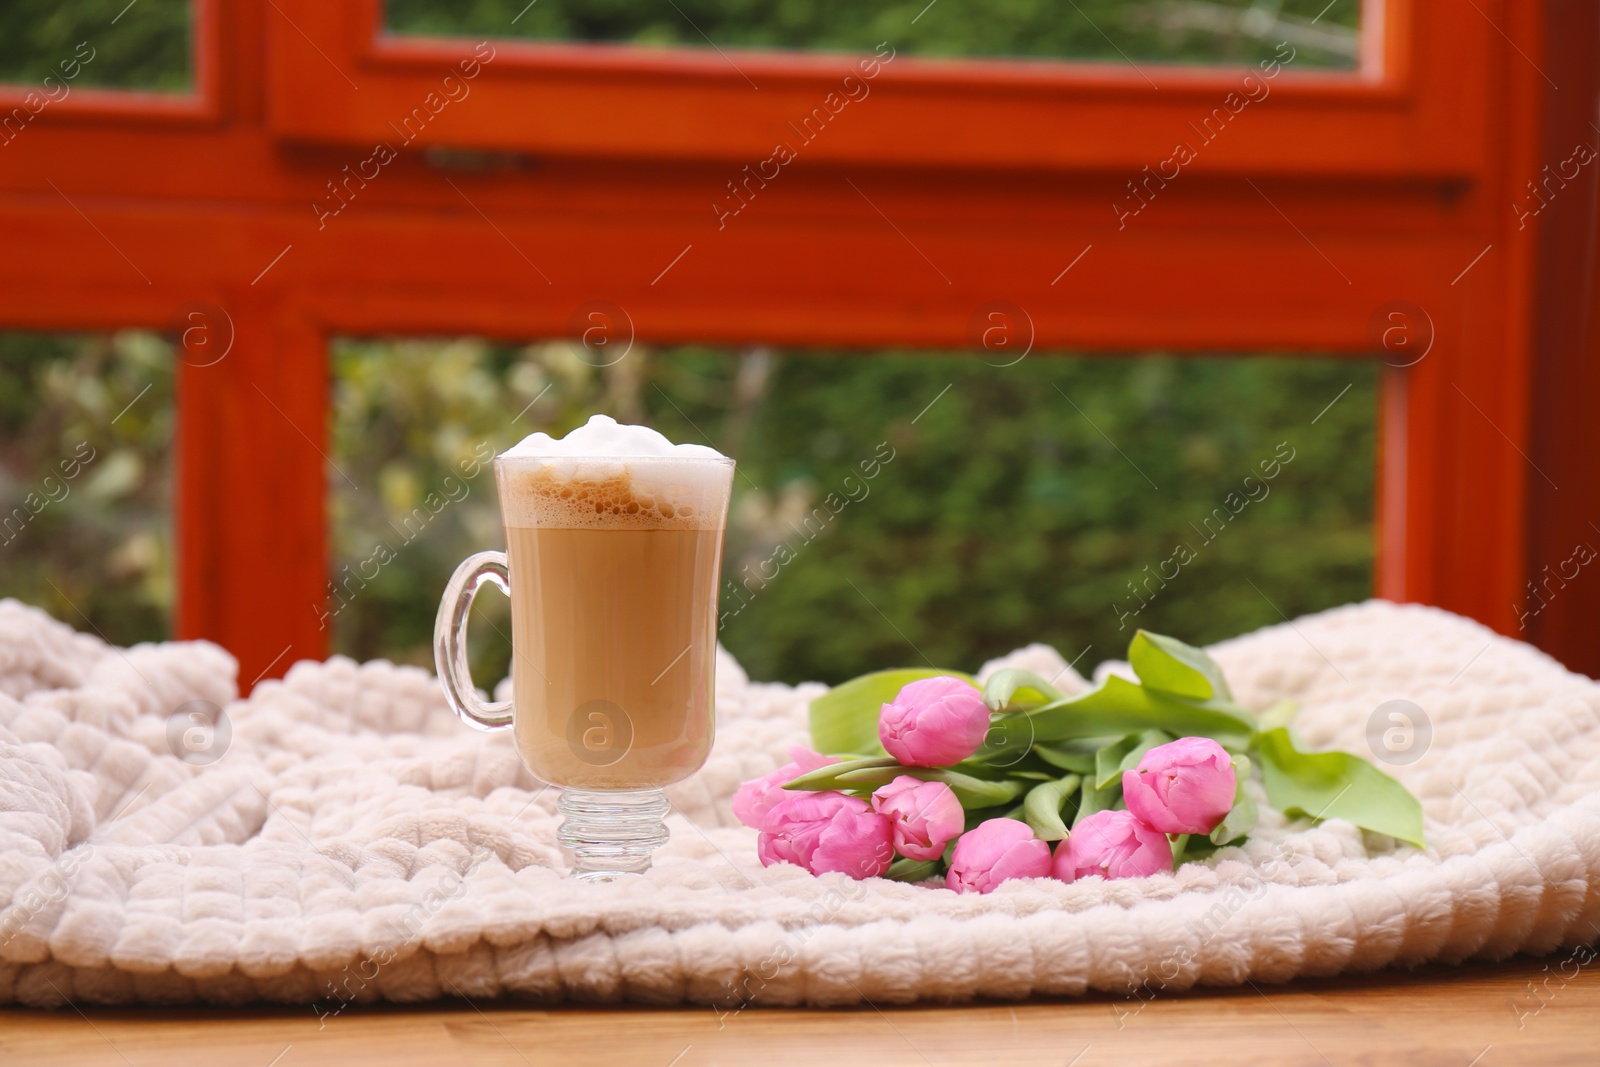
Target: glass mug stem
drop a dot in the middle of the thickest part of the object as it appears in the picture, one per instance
(612, 834)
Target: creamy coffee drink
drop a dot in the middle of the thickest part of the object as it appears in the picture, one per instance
(614, 540)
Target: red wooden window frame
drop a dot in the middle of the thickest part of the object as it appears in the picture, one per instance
(574, 173)
(631, 103)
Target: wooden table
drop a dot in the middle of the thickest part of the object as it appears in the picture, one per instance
(1522, 1013)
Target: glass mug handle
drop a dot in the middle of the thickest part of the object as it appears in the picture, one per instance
(450, 640)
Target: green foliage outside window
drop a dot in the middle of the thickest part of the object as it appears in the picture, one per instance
(1116, 31)
(1044, 501)
(86, 429)
(142, 45)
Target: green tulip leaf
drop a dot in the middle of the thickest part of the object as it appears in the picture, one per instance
(1180, 845)
(1075, 756)
(1094, 800)
(978, 816)
(1119, 707)
(1241, 819)
(1108, 761)
(1280, 714)
(907, 870)
(845, 718)
(829, 776)
(1167, 664)
(1336, 785)
(867, 775)
(1041, 810)
(1124, 755)
(1016, 686)
(995, 772)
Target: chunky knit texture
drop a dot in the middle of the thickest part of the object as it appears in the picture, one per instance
(356, 842)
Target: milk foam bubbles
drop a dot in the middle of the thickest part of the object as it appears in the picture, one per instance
(603, 436)
(608, 474)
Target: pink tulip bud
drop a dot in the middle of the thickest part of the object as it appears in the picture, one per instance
(994, 851)
(1112, 844)
(827, 831)
(936, 722)
(755, 798)
(926, 816)
(1182, 787)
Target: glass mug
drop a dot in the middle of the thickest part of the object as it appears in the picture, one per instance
(612, 568)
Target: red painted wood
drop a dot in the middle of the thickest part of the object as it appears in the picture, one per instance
(1561, 612)
(1214, 272)
(632, 103)
(252, 478)
(1338, 195)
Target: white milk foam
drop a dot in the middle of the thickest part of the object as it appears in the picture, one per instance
(606, 474)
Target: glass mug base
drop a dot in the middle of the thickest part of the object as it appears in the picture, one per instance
(611, 835)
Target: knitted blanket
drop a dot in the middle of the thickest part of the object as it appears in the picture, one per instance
(342, 838)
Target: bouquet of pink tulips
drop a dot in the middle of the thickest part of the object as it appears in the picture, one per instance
(934, 776)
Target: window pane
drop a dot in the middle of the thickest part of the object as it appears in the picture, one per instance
(86, 480)
(1193, 31)
(142, 45)
(965, 509)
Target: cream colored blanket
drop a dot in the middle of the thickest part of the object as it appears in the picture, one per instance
(355, 842)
